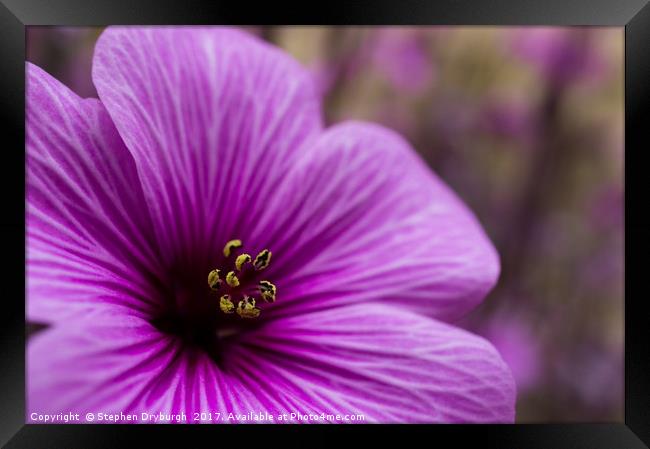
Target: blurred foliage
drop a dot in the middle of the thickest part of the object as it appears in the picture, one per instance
(526, 125)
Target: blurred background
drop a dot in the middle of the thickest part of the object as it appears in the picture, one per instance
(526, 125)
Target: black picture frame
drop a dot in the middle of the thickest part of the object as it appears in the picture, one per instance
(633, 15)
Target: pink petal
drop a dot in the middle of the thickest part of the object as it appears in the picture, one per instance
(213, 117)
(380, 362)
(114, 362)
(109, 362)
(88, 234)
(389, 365)
(361, 218)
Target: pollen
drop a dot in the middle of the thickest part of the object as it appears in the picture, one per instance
(262, 260)
(230, 245)
(226, 305)
(267, 291)
(213, 280)
(232, 279)
(241, 286)
(242, 260)
(246, 308)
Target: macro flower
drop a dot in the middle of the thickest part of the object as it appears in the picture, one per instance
(198, 241)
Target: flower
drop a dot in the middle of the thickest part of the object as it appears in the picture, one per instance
(561, 55)
(402, 58)
(207, 144)
(515, 341)
(510, 119)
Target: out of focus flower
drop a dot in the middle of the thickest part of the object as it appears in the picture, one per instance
(454, 121)
(509, 119)
(197, 241)
(561, 54)
(518, 346)
(402, 58)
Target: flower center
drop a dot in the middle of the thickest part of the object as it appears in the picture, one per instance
(208, 316)
(233, 284)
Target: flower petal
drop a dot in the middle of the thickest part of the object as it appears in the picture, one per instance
(87, 232)
(114, 362)
(361, 218)
(108, 362)
(389, 365)
(213, 117)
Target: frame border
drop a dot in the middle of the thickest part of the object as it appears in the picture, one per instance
(633, 15)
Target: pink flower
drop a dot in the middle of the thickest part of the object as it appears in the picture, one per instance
(402, 58)
(205, 136)
(518, 346)
(561, 55)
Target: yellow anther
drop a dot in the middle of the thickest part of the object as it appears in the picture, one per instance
(231, 279)
(267, 291)
(262, 260)
(232, 244)
(241, 260)
(226, 305)
(213, 280)
(247, 309)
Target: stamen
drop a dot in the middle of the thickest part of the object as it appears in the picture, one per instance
(230, 245)
(213, 280)
(232, 285)
(247, 309)
(262, 260)
(267, 291)
(241, 260)
(231, 279)
(226, 305)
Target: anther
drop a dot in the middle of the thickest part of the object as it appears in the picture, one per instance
(213, 280)
(226, 305)
(231, 279)
(233, 287)
(262, 260)
(267, 291)
(246, 308)
(230, 245)
(241, 260)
